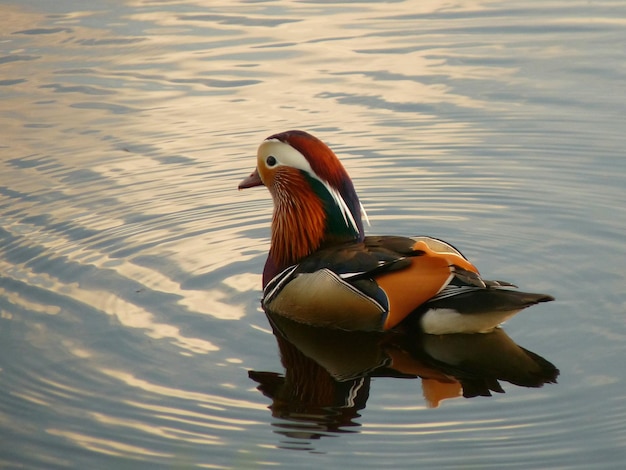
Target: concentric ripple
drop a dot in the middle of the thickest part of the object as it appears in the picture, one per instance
(130, 325)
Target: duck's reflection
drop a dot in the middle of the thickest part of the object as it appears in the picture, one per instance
(327, 372)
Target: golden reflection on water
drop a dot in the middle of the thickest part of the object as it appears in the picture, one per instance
(204, 400)
(192, 111)
(127, 313)
(19, 300)
(106, 446)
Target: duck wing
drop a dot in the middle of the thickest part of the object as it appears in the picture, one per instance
(380, 282)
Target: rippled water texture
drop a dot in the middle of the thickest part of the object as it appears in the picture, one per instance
(131, 334)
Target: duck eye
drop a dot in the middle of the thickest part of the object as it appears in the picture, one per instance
(271, 161)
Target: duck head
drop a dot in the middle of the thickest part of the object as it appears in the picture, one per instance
(315, 204)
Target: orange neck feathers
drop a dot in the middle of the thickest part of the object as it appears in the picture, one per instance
(299, 222)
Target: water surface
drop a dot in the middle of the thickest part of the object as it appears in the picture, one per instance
(130, 327)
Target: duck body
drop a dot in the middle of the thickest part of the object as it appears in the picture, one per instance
(322, 269)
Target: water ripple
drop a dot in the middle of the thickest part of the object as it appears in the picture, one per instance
(130, 264)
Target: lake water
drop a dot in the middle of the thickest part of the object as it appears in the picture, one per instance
(131, 334)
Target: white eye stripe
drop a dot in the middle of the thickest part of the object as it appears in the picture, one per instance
(284, 154)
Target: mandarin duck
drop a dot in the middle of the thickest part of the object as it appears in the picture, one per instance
(322, 270)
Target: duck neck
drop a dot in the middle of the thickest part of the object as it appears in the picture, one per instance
(307, 218)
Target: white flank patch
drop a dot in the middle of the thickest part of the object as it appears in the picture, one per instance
(441, 321)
